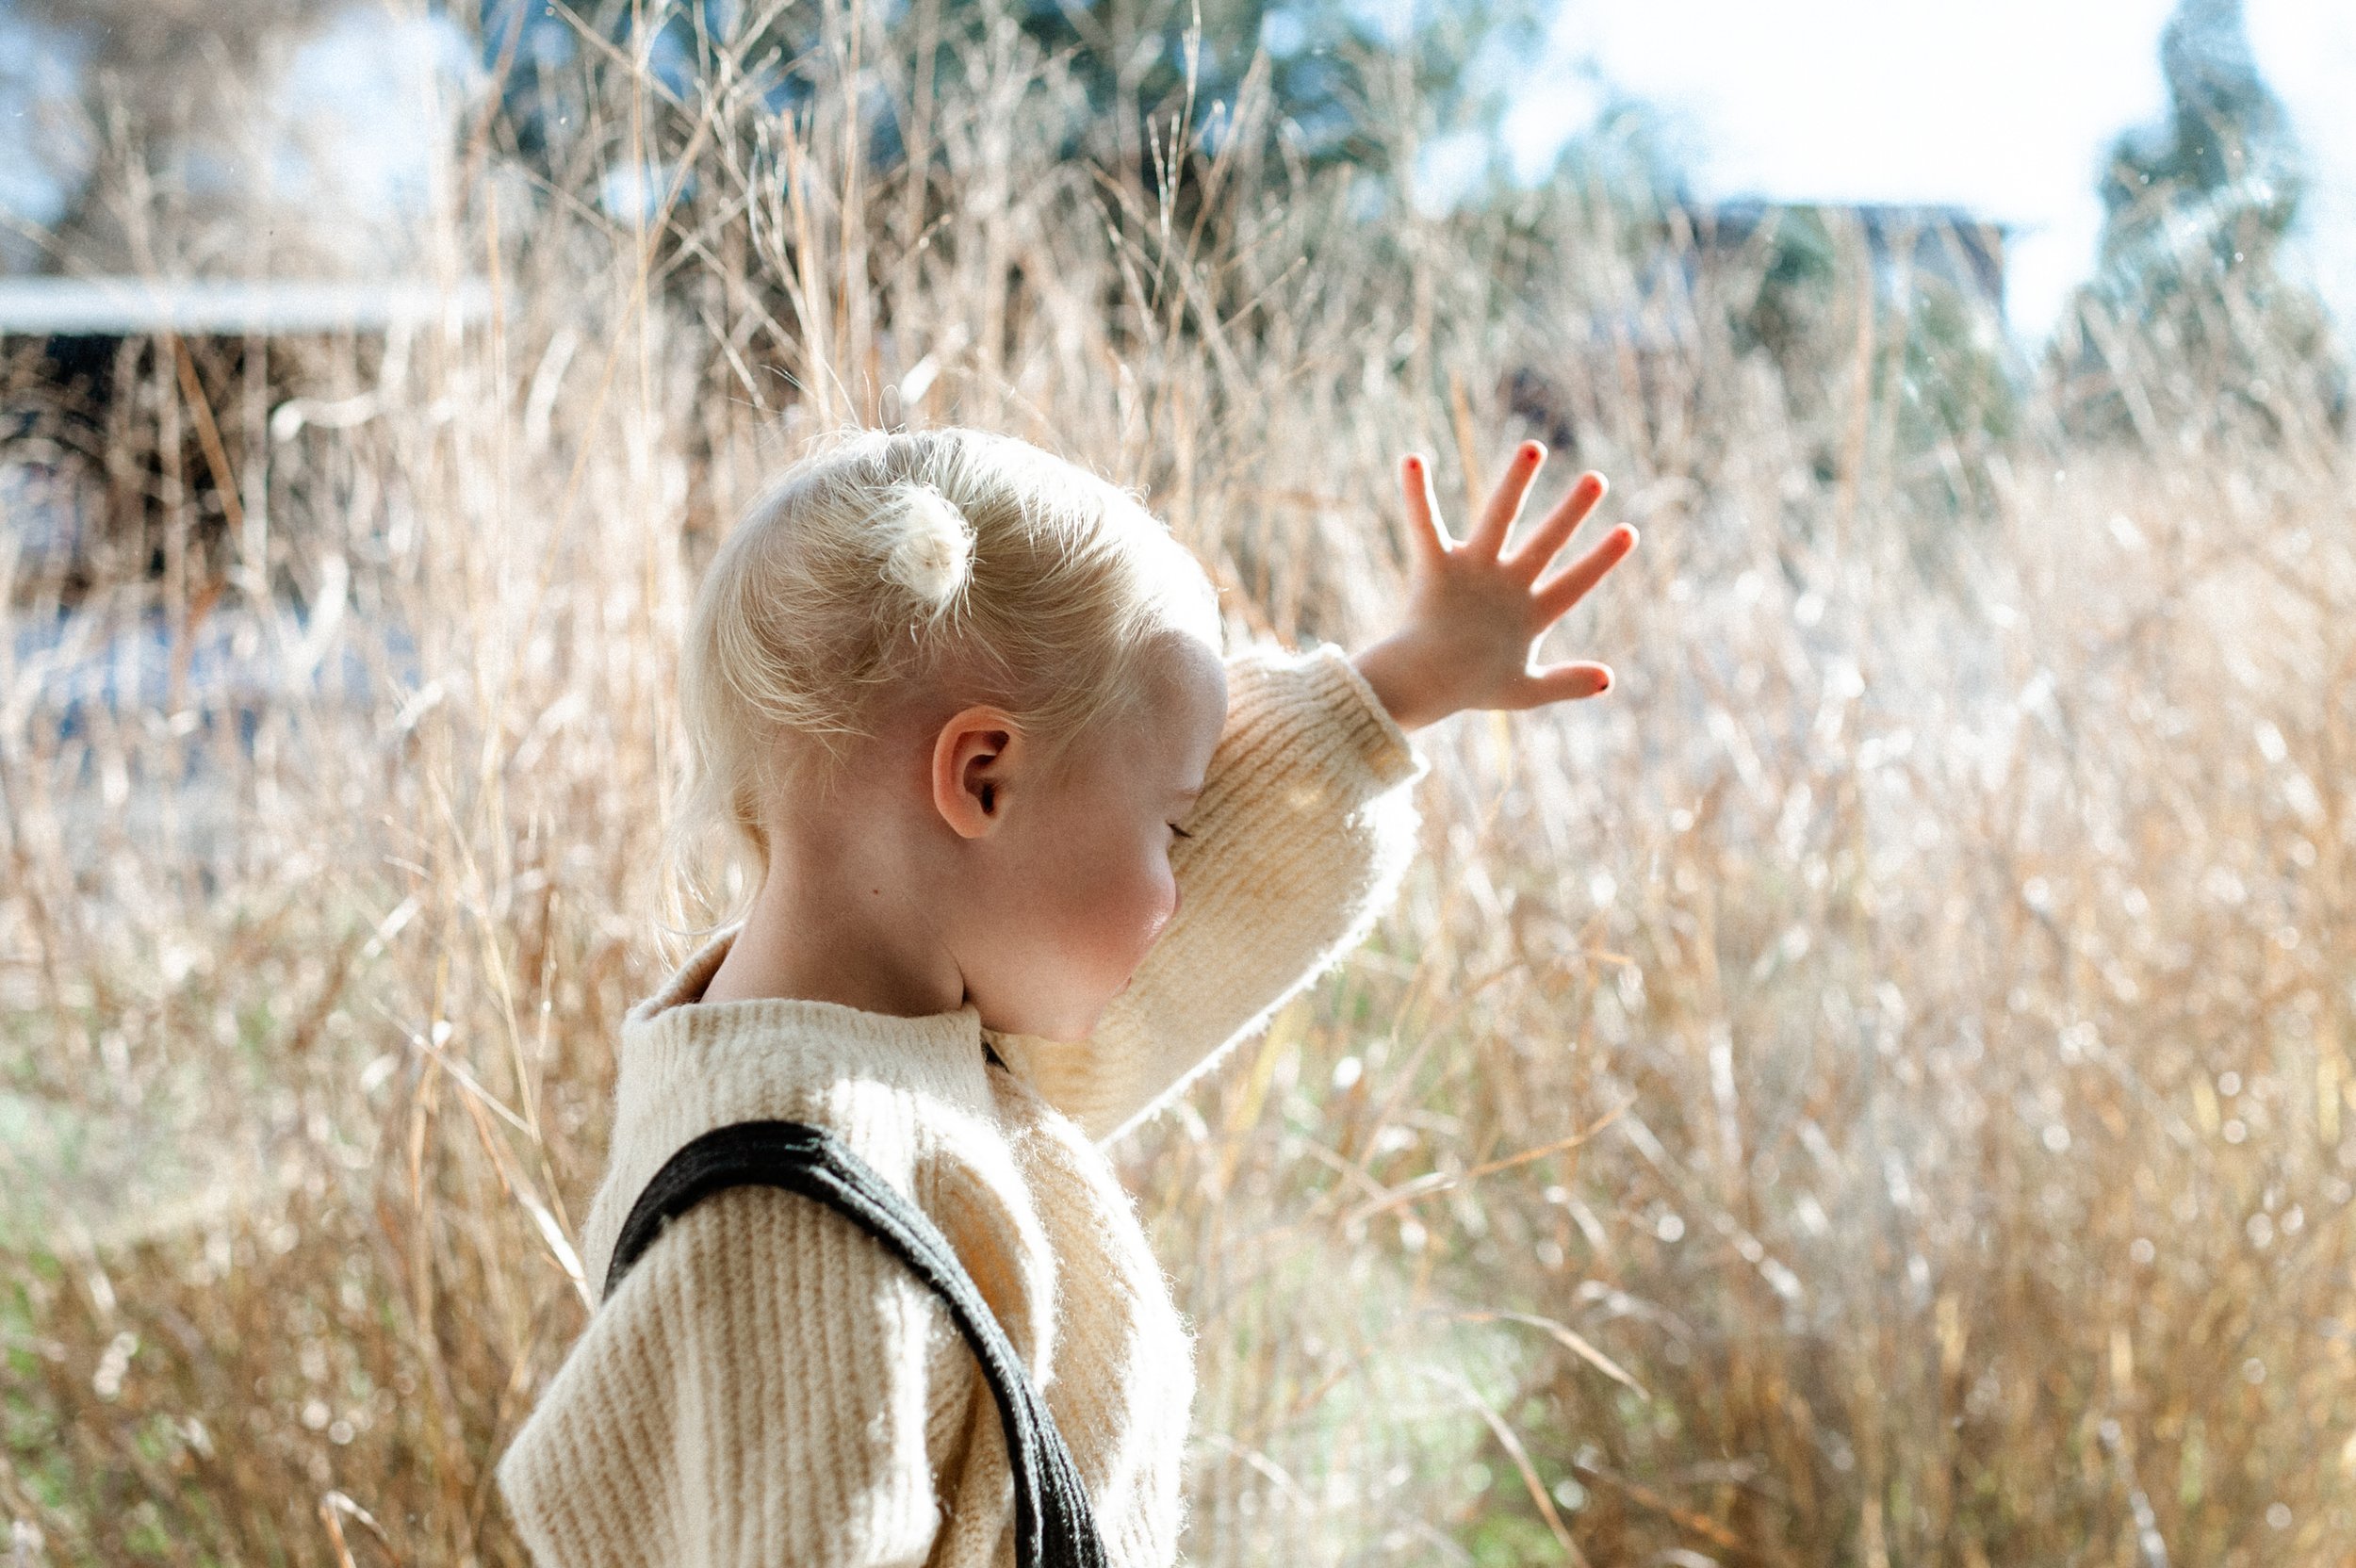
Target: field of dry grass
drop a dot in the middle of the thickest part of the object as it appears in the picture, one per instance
(1878, 1089)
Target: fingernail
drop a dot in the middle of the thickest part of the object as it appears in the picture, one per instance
(1605, 685)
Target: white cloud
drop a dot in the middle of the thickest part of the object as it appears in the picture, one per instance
(1445, 168)
(363, 111)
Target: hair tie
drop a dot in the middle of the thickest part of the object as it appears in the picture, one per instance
(928, 546)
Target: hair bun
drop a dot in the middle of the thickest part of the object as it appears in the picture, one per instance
(927, 545)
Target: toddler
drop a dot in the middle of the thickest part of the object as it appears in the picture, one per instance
(1030, 854)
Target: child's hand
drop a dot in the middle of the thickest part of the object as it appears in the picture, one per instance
(1474, 614)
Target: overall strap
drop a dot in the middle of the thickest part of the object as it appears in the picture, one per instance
(1054, 1527)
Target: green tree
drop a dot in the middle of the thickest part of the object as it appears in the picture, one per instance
(2190, 324)
(1336, 70)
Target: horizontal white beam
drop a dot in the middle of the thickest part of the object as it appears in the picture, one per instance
(130, 306)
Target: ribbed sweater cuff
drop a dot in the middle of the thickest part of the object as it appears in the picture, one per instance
(1312, 714)
(1383, 745)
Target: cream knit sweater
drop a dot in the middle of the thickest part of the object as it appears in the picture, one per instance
(769, 1388)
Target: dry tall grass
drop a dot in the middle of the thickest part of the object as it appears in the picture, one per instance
(1875, 1089)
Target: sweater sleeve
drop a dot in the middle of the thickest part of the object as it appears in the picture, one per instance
(1305, 826)
(756, 1393)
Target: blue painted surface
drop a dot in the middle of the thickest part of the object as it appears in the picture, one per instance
(128, 672)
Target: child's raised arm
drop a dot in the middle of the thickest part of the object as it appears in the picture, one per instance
(1306, 822)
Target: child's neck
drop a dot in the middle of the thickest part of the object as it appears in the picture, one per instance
(836, 940)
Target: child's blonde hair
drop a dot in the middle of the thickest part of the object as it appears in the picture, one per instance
(888, 559)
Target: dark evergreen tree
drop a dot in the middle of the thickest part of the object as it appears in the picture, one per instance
(2221, 172)
(2190, 324)
(1332, 68)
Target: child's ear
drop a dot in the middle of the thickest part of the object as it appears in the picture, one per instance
(974, 759)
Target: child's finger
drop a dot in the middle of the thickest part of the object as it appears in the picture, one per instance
(1530, 556)
(1563, 683)
(1556, 594)
(1424, 529)
(1505, 501)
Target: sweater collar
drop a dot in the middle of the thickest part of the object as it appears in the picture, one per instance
(768, 1045)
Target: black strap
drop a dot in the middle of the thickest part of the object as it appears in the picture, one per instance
(1052, 1524)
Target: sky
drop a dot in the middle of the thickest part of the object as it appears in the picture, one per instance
(2004, 107)
(2001, 106)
